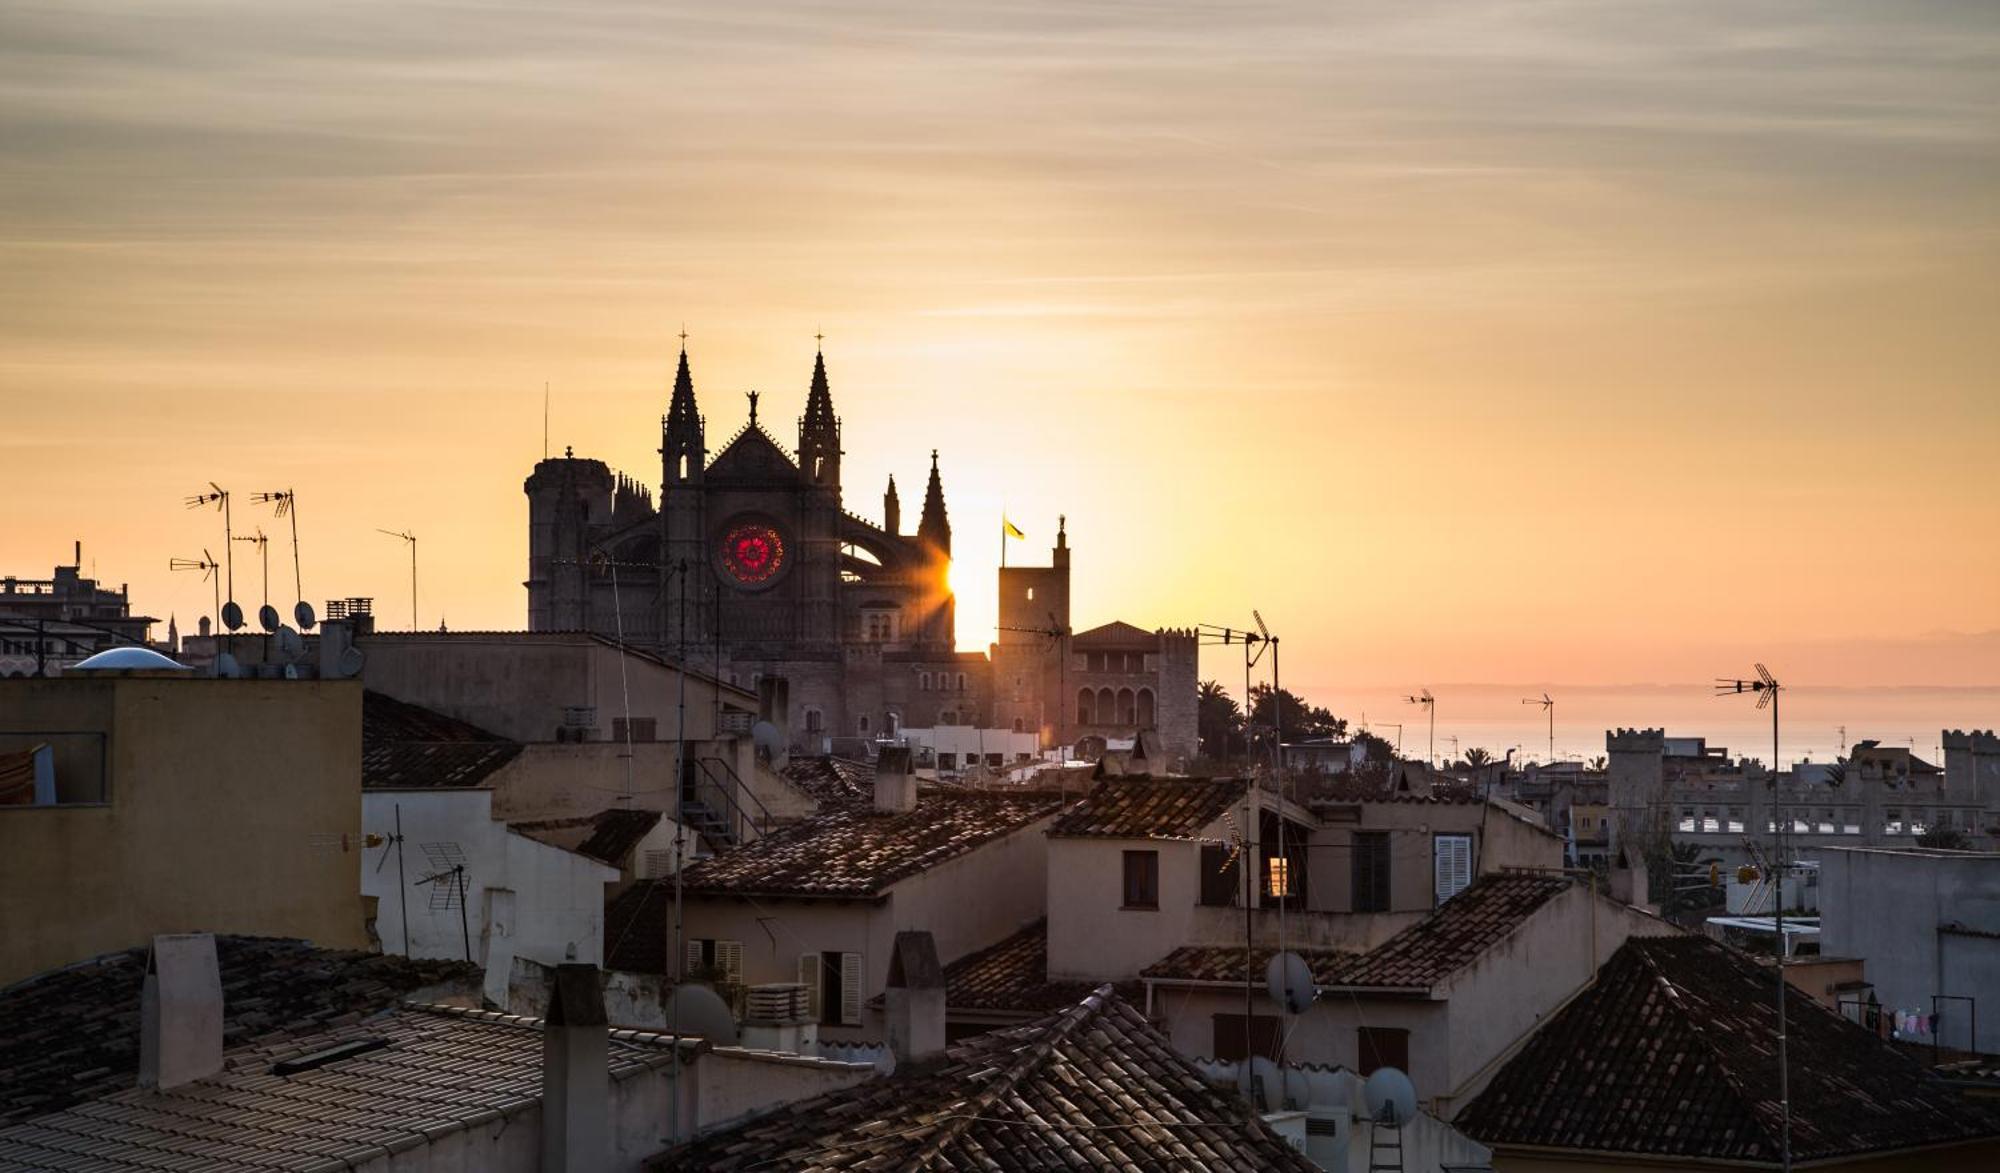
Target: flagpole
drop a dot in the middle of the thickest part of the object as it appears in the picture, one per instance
(1003, 539)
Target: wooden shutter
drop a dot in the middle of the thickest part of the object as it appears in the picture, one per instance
(1452, 860)
(850, 989)
(694, 964)
(809, 978)
(1380, 1046)
(729, 959)
(1370, 872)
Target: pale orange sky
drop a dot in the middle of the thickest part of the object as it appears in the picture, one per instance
(1468, 341)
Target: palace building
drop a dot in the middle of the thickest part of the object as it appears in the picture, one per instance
(749, 563)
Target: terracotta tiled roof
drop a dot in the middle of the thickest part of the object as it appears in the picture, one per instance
(442, 1071)
(1093, 1086)
(406, 746)
(1150, 808)
(850, 853)
(1117, 635)
(72, 1034)
(1671, 1053)
(1375, 785)
(1012, 975)
(607, 836)
(832, 781)
(1417, 958)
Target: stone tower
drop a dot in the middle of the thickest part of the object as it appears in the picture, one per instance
(684, 578)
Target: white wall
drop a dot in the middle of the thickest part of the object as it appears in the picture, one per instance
(1091, 936)
(557, 896)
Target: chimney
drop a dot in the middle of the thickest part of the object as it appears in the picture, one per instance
(1630, 883)
(774, 701)
(576, 1104)
(914, 998)
(180, 1012)
(895, 786)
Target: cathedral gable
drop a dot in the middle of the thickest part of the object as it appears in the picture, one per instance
(753, 456)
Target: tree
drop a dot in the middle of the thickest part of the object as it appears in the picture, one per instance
(1945, 838)
(1218, 721)
(1598, 763)
(1300, 719)
(1476, 757)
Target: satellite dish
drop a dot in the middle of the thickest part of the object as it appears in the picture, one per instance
(350, 662)
(1290, 982)
(232, 615)
(290, 646)
(227, 667)
(769, 740)
(1390, 1096)
(268, 616)
(700, 1011)
(304, 614)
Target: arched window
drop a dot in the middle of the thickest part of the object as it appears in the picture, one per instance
(1128, 710)
(864, 724)
(1086, 707)
(961, 682)
(1107, 707)
(892, 723)
(813, 721)
(1017, 729)
(1145, 708)
(923, 682)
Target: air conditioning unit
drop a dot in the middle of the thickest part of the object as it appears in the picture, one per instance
(577, 723)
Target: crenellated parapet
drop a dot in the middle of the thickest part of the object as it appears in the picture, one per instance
(1980, 741)
(1635, 741)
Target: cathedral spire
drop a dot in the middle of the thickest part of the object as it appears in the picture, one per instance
(819, 430)
(935, 527)
(892, 508)
(682, 447)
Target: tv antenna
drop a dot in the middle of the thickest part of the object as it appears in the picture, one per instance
(385, 842)
(208, 566)
(287, 502)
(267, 615)
(231, 615)
(1058, 637)
(1548, 706)
(447, 881)
(1766, 687)
(411, 538)
(1430, 704)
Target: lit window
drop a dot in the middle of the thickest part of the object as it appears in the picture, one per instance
(1277, 876)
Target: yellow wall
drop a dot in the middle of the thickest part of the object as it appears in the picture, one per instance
(227, 804)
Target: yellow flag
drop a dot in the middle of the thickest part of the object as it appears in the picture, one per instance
(1010, 529)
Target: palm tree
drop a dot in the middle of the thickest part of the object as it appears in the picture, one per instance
(1476, 757)
(1218, 720)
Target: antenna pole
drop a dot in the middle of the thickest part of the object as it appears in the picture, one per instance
(464, 928)
(298, 587)
(1778, 920)
(413, 591)
(402, 884)
(677, 964)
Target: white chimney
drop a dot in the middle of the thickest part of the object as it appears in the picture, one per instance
(576, 1101)
(180, 1012)
(895, 785)
(914, 998)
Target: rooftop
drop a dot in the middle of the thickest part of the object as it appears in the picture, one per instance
(1671, 1053)
(443, 1070)
(1150, 808)
(72, 1035)
(1418, 958)
(409, 747)
(607, 836)
(1012, 976)
(831, 780)
(1090, 1086)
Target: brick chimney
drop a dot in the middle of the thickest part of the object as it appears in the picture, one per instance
(913, 1000)
(180, 1012)
(576, 1098)
(895, 785)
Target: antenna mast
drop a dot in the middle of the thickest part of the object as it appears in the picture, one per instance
(412, 540)
(1548, 706)
(1766, 689)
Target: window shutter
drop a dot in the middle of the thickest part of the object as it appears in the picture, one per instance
(694, 962)
(729, 959)
(1452, 856)
(850, 989)
(809, 978)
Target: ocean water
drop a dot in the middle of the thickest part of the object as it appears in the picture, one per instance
(1811, 720)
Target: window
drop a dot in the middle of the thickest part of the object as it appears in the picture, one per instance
(1277, 877)
(948, 717)
(1220, 879)
(833, 987)
(1146, 708)
(814, 721)
(864, 724)
(1377, 1047)
(947, 761)
(961, 682)
(1017, 729)
(638, 728)
(1142, 879)
(1452, 857)
(1031, 598)
(1687, 819)
(1086, 707)
(1232, 1045)
(923, 682)
(1709, 823)
(716, 961)
(1371, 871)
(1736, 820)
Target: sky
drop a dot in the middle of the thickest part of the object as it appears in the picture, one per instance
(1468, 341)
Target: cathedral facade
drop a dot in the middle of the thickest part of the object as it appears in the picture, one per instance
(750, 566)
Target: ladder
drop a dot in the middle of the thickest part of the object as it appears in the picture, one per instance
(1385, 1143)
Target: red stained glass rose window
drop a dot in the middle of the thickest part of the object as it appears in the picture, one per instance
(752, 553)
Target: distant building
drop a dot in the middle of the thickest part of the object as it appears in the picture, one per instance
(47, 624)
(753, 563)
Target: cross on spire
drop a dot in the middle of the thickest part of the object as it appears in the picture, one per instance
(684, 336)
(753, 409)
